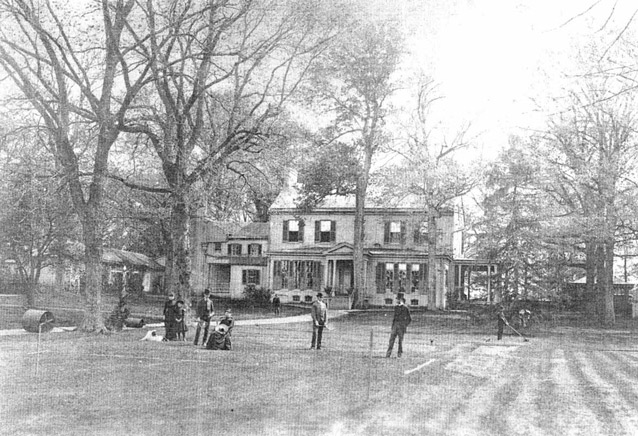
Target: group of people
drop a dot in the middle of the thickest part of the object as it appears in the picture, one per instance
(174, 322)
(175, 325)
(220, 336)
(402, 318)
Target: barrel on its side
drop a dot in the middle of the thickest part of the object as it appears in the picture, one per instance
(35, 320)
(134, 322)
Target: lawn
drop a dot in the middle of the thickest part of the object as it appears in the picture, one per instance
(67, 307)
(454, 378)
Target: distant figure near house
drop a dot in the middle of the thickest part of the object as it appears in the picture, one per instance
(276, 305)
(400, 322)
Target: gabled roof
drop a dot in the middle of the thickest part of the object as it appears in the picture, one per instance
(342, 247)
(252, 231)
(289, 198)
(113, 256)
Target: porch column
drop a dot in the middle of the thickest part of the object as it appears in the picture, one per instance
(489, 282)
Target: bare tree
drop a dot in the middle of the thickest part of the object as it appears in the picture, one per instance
(430, 173)
(222, 72)
(591, 148)
(353, 83)
(70, 65)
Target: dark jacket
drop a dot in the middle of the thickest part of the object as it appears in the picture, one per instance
(402, 317)
(205, 309)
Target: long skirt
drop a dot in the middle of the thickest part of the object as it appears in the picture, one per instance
(218, 341)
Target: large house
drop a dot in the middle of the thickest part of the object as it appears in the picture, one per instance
(301, 252)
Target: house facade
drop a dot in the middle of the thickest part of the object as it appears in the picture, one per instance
(226, 261)
(301, 252)
(312, 251)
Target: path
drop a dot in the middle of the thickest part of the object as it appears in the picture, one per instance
(279, 320)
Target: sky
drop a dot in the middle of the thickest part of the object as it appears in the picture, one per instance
(495, 60)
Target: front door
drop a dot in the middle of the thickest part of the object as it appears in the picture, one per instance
(344, 277)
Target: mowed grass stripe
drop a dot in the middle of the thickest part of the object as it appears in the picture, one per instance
(523, 414)
(571, 393)
(614, 369)
(621, 415)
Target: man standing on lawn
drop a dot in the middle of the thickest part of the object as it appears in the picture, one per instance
(319, 313)
(400, 322)
(205, 311)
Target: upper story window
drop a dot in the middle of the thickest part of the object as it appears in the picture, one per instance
(293, 231)
(234, 249)
(421, 233)
(217, 247)
(325, 231)
(394, 232)
(254, 249)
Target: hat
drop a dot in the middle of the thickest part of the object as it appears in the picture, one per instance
(222, 328)
(206, 291)
(319, 295)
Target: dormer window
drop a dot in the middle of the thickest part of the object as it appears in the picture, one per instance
(293, 231)
(325, 231)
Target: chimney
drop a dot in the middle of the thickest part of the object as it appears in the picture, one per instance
(292, 178)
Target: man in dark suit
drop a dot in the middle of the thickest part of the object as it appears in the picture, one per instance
(319, 313)
(400, 322)
(205, 310)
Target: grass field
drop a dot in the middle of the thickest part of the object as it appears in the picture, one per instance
(451, 380)
(67, 307)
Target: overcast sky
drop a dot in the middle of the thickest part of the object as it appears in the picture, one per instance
(492, 57)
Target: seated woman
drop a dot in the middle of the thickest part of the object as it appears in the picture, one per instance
(220, 339)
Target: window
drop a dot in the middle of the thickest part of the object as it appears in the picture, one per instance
(217, 247)
(250, 276)
(421, 233)
(401, 277)
(325, 231)
(254, 250)
(297, 274)
(415, 278)
(293, 231)
(394, 232)
(234, 249)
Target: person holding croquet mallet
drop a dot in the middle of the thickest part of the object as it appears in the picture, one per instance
(502, 322)
(400, 322)
(319, 313)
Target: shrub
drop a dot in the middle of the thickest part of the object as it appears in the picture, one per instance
(257, 295)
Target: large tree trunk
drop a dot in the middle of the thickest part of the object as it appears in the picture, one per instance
(432, 233)
(590, 274)
(608, 315)
(357, 255)
(178, 262)
(92, 284)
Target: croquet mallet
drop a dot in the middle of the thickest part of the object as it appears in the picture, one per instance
(516, 331)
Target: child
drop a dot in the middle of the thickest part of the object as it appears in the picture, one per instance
(181, 324)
